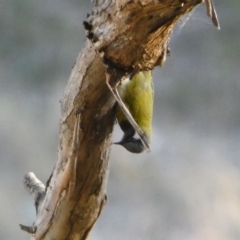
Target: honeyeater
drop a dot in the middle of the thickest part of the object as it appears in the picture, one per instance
(137, 94)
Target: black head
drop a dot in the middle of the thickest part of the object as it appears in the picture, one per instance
(132, 144)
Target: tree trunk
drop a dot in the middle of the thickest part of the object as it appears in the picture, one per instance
(123, 37)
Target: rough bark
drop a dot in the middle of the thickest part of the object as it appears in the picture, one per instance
(123, 35)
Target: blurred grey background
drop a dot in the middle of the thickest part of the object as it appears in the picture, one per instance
(188, 187)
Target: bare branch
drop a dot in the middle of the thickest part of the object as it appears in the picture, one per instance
(28, 229)
(124, 35)
(35, 188)
(211, 12)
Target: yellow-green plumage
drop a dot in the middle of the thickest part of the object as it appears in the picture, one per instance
(137, 95)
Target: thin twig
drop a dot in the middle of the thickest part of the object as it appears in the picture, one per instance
(211, 12)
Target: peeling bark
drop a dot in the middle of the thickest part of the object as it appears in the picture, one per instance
(124, 35)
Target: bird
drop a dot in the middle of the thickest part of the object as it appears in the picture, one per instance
(136, 93)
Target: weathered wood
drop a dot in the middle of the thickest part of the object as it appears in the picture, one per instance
(125, 35)
(71, 218)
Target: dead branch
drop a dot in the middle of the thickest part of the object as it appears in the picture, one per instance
(124, 36)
